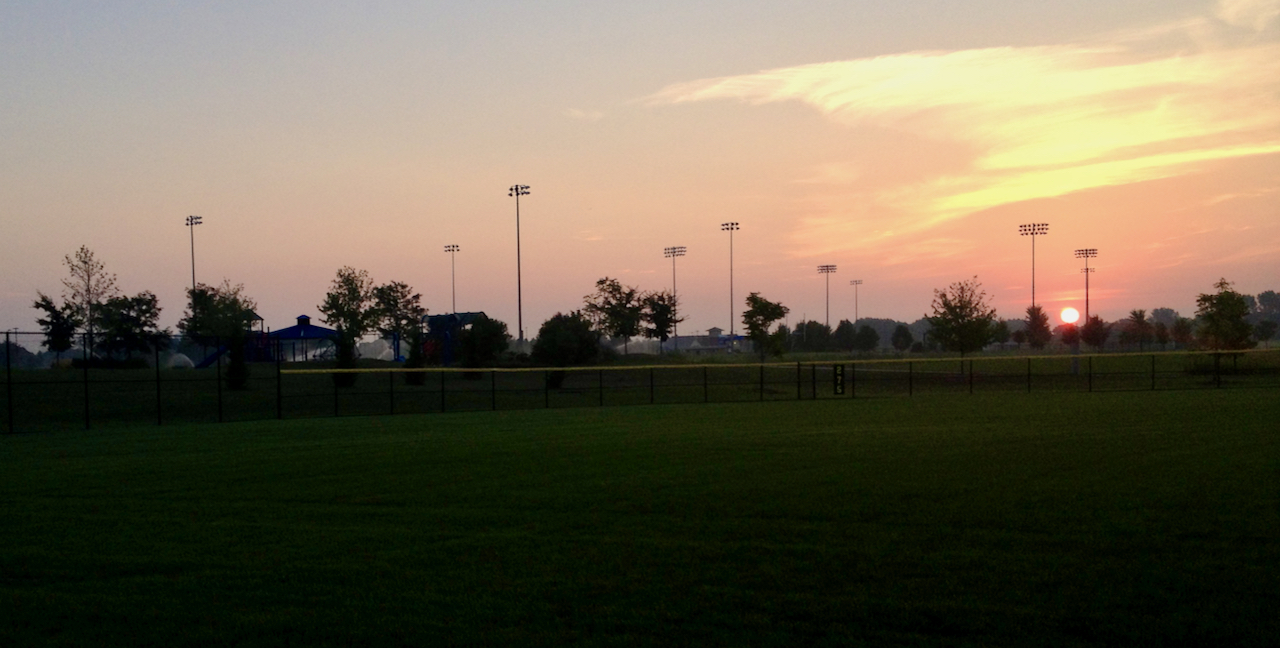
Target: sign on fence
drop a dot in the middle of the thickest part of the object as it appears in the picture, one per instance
(837, 379)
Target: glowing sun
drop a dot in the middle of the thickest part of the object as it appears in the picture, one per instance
(1070, 315)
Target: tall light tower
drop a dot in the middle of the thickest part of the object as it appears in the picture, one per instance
(1086, 254)
(192, 221)
(516, 191)
(855, 283)
(1033, 230)
(827, 270)
(730, 228)
(672, 253)
(453, 274)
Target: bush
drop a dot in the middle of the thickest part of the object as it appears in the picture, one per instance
(566, 341)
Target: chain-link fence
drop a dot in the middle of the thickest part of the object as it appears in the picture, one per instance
(191, 381)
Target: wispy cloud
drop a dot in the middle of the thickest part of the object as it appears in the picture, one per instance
(584, 115)
(1045, 121)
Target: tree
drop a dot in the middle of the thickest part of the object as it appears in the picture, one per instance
(758, 318)
(88, 286)
(565, 341)
(59, 324)
(1000, 333)
(660, 313)
(349, 307)
(224, 314)
(962, 318)
(1269, 305)
(1070, 335)
(811, 336)
(1161, 333)
(1095, 332)
(1038, 333)
(902, 338)
(1222, 319)
(129, 325)
(1019, 338)
(615, 310)
(1137, 329)
(866, 339)
(843, 337)
(1265, 330)
(1166, 315)
(482, 342)
(1183, 332)
(399, 312)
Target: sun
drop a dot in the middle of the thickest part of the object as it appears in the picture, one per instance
(1070, 315)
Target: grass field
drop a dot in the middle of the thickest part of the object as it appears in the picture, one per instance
(1058, 519)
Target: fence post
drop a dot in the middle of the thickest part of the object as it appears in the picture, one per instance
(798, 379)
(217, 343)
(1028, 375)
(650, 385)
(761, 381)
(1153, 372)
(853, 380)
(546, 389)
(970, 377)
(391, 391)
(1217, 372)
(911, 387)
(442, 401)
(706, 392)
(335, 395)
(279, 381)
(87, 340)
(813, 380)
(8, 377)
(600, 385)
(1090, 374)
(493, 390)
(159, 420)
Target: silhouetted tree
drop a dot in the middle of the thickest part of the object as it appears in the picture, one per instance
(866, 339)
(1137, 329)
(482, 342)
(660, 313)
(615, 310)
(224, 314)
(843, 337)
(128, 325)
(1070, 335)
(1095, 332)
(59, 324)
(962, 319)
(1222, 319)
(566, 341)
(1183, 332)
(758, 318)
(1265, 330)
(88, 285)
(1269, 305)
(1000, 333)
(902, 338)
(398, 311)
(1038, 333)
(349, 308)
(811, 336)
(1019, 337)
(1161, 333)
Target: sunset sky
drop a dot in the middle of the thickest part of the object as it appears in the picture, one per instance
(903, 142)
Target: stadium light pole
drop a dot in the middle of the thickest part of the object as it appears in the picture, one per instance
(192, 221)
(453, 275)
(516, 191)
(1033, 230)
(855, 283)
(1086, 254)
(827, 270)
(730, 228)
(672, 253)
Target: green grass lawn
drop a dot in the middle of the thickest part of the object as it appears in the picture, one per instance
(1056, 519)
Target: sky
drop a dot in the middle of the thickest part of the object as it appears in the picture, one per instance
(902, 142)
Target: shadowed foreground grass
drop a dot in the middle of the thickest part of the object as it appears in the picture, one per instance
(1064, 519)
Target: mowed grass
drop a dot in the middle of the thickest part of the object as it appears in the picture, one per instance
(1057, 519)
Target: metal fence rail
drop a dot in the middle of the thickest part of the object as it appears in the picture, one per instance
(90, 396)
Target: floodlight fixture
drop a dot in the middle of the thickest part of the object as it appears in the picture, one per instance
(672, 253)
(1033, 230)
(192, 221)
(730, 228)
(827, 270)
(515, 191)
(1086, 254)
(855, 283)
(453, 274)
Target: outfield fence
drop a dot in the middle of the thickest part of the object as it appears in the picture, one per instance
(89, 395)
